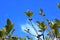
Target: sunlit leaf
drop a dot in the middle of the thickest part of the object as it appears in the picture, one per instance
(29, 13)
(47, 38)
(15, 38)
(41, 11)
(55, 30)
(30, 38)
(4, 29)
(51, 24)
(58, 5)
(41, 25)
(54, 27)
(22, 38)
(46, 26)
(57, 22)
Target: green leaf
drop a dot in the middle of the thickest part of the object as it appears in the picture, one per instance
(29, 13)
(22, 38)
(41, 11)
(30, 38)
(51, 25)
(54, 26)
(10, 38)
(47, 38)
(1, 33)
(8, 22)
(15, 38)
(2, 38)
(58, 35)
(58, 5)
(55, 29)
(41, 25)
(8, 27)
(57, 22)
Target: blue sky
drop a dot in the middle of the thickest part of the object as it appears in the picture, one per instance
(14, 10)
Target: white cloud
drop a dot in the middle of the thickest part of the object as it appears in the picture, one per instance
(32, 31)
(27, 26)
